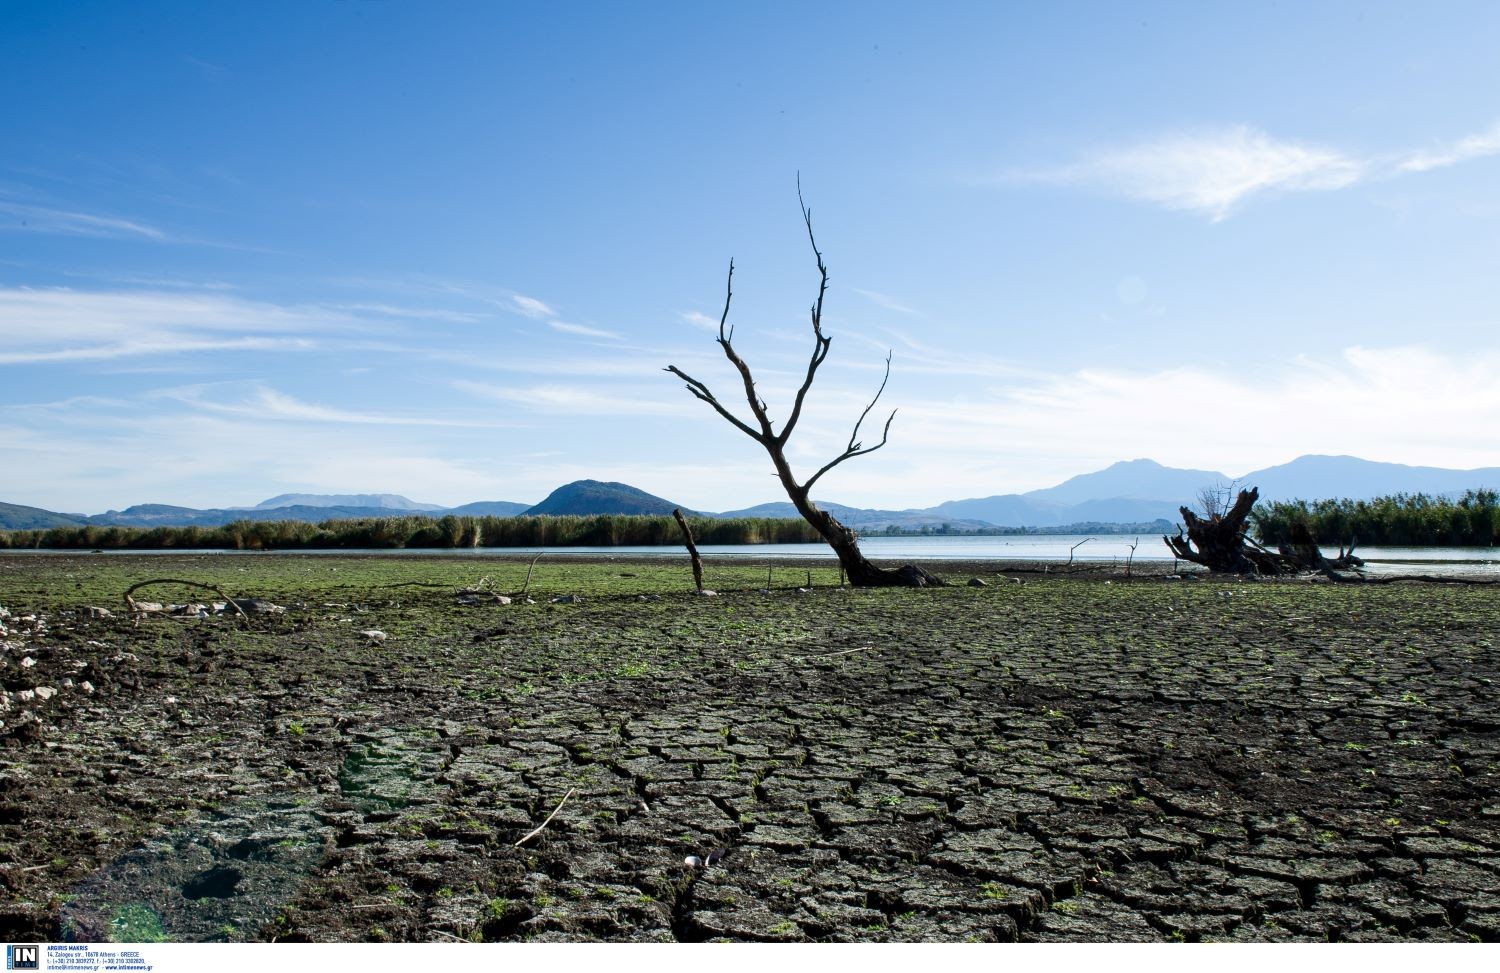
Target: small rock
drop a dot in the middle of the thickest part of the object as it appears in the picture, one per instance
(375, 635)
(87, 687)
(252, 606)
(693, 861)
(705, 593)
(27, 662)
(94, 612)
(978, 583)
(25, 696)
(45, 692)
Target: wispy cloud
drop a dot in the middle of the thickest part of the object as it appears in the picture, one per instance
(62, 324)
(1213, 172)
(1475, 146)
(258, 401)
(884, 300)
(580, 329)
(426, 313)
(530, 307)
(580, 400)
(44, 219)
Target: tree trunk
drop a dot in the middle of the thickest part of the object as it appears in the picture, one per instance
(845, 543)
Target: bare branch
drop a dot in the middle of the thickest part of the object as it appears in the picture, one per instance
(701, 391)
(820, 341)
(728, 296)
(878, 393)
(855, 449)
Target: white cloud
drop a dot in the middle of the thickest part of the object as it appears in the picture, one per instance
(1407, 405)
(1211, 172)
(55, 325)
(1475, 146)
(580, 329)
(530, 307)
(699, 320)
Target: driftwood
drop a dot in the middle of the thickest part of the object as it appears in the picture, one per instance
(529, 568)
(1221, 542)
(687, 537)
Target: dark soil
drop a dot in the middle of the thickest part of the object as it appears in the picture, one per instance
(1066, 758)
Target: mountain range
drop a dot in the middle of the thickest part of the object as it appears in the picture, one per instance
(1132, 492)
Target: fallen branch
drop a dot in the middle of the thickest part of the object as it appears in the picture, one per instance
(1419, 578)
(130, 602)
(541, 827)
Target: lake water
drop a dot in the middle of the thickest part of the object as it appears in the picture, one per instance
(1094, 549)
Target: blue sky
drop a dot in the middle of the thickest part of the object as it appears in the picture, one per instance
(445, 249)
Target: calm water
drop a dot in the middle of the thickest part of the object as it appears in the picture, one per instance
(1039, 547)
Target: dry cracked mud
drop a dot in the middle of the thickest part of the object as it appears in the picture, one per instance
(1060, 759)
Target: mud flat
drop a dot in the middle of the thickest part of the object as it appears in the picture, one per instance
(1042, 758)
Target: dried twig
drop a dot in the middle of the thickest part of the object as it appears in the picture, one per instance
(831, 655)
(543, 825)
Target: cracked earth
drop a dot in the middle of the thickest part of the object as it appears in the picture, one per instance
(1042, 759)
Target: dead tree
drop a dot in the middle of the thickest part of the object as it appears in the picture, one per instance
(843, 540)
(1220, 541)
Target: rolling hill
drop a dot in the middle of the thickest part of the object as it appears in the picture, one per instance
(584, 497)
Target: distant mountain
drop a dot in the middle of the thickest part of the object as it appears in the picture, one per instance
(1008, 510)
(162, 515)
(380, 500)
(861, 519)
(14, 516)
(1322, 477)
(588, 497)
(488, 508)
(1134, 492)
(1137, 479)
